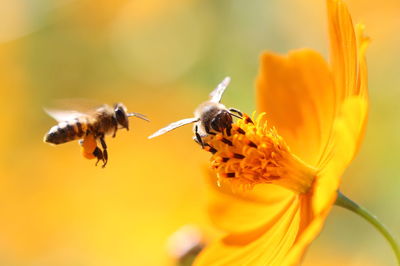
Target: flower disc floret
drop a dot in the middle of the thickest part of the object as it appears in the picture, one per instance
(253, 153)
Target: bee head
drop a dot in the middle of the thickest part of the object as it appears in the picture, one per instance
(120, 114)
(221, 121)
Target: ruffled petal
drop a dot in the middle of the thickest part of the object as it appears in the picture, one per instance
(347, 132)
(348, 48)
(343, 48)
(362, 45)
(297, 93)
(306, 236)
(281, 241)
(267, 245)
(315, 208)
(238, 211)
(238, 215)
(350, 71)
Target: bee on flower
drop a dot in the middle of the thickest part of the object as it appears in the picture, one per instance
(275, 175)
(289, 161)
(210, 117)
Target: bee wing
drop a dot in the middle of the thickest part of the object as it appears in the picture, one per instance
(173, 125)
(80, 105)
(63, 115)
(69, 109)
(216, 94)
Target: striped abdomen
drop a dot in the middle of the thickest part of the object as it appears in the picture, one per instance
(67, 131)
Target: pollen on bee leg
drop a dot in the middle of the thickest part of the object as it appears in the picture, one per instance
(88, 144)
(88, 155)
(258, 156)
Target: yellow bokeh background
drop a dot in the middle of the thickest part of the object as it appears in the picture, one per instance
(162, 58)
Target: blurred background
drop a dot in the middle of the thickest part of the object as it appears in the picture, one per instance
(162, 58)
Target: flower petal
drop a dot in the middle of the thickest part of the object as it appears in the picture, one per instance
(282, 241)
(267, 245)
(343, 48)
(304, 239)
(362, 44)
(347, 130)
(350, 69)
(237, 211)
(238, 215)
(298, 95)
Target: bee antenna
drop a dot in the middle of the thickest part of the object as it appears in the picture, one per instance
(232, 114)
(138, 116)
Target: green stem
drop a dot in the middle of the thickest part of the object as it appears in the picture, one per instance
(347, 203)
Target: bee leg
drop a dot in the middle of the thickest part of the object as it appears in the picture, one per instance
(105, 153)
(198, 138)
(208, 131)
(233, 110)
(228, 130)
(98, 154)
(115, 131)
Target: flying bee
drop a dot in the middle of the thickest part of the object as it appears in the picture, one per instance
(210, 117)
(90, 127)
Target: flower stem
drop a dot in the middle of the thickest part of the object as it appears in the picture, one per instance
(347, 203)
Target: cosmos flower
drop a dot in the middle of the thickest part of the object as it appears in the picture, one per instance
(276, 177)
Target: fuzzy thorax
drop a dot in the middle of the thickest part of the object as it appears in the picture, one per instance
(253, 153)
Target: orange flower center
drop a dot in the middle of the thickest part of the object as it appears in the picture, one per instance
(253, 153)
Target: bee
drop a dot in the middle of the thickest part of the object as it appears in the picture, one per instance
(210, 117)
(89, 128)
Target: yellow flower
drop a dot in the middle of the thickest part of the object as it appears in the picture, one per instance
(316, 118)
